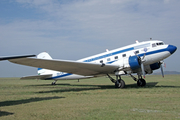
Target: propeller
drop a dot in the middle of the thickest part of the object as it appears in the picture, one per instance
(141, 61)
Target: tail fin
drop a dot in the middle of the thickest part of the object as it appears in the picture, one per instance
(41, 71)
(44, 55)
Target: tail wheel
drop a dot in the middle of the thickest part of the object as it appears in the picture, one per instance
(120, 84)
(54, 83)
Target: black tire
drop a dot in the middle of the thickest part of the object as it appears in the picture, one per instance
(53, 83)
(120, 84)
(141, 83)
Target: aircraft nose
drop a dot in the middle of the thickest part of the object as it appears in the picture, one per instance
(171, 48)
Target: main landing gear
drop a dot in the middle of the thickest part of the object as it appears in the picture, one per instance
(119, 83)
(140, 81)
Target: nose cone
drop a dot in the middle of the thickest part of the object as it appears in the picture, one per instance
(171, 48)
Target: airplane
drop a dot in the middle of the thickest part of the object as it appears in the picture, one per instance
(141, 58)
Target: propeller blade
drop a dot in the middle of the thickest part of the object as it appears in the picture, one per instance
(164, 65)
(142, 68)
(162, 72)
(144, 56)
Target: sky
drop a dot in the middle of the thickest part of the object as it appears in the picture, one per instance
(74, 29)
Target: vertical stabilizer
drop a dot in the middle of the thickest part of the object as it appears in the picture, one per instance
(41, 71)
(44, 55)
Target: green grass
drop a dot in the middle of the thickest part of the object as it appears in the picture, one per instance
(90, 99)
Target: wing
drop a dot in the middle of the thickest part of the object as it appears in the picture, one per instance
(73, 67)
(41, 77)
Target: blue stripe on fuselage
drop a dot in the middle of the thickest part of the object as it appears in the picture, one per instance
(153, 52)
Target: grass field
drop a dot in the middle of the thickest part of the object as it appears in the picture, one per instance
(90, 99)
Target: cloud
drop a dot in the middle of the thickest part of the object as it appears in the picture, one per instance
(87, 27)
(93, 21)
(97, 20)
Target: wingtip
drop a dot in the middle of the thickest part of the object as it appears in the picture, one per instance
(16, 57)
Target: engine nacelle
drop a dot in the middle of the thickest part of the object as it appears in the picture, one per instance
(155, 66)
(134, 62)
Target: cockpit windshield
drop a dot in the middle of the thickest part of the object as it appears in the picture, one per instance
(157, 44)
(160, 43)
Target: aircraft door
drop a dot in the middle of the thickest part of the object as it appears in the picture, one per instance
(124, 62)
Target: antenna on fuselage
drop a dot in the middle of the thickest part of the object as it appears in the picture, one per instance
(137, 41)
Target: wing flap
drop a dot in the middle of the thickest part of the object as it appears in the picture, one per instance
(73, 67)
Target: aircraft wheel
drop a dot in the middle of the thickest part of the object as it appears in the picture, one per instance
(53, 83)
(120, 84)
(141, 83)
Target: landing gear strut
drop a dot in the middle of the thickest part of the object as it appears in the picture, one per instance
(140, 81)
(119, 83)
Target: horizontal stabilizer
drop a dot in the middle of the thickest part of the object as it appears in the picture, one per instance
(41, 77)
(16, 57)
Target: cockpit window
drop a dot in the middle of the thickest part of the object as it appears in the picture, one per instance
(160, 43)
(157, 44)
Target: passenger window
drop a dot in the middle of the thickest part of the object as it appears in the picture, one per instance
(108, 59)
(101, 61)
(124, 55)
(116, 57)
(137, 52)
